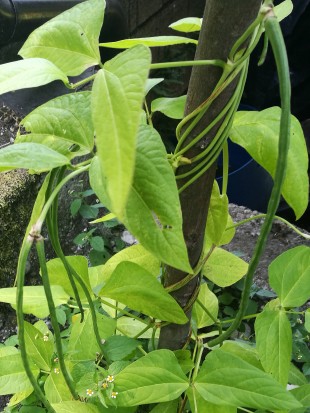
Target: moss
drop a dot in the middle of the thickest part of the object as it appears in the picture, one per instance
(18, 190)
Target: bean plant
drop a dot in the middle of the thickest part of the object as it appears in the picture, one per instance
(94, 347)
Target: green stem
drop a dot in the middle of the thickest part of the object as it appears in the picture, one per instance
(215, 321)
(54, 194)
(168, 65)
(144, 330)
(81, 82)
(24, 252)
(123, 311)
(52, 310)
(242, 39)
(276, 217)
(274, 34)
(225, 168)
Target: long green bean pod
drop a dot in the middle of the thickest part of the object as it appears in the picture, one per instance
(20, 278)
(52, 310)
(274, 34)
(52, 227)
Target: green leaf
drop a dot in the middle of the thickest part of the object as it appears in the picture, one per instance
(39, 350)
(13, 378)
(187, 25)
(97, 243)
(152, 82)
(307, 320)
(82, 341)
(28, 73)
(302, 394)
(117, 97)
(274, 343)
(154, 41)
(243, 350)
(76, 407)
(60, 123)
(203, 406)
(119, 347)
(210, 302)
(283, 9)
(34, 299)
(296, 377)
(224, 268)
(30, 156)
(132, 327)
(147, 217)
(168, 407)
(19, 397)
(289, 276)
(258, 134)
(154, 378)
(138, 289)
(105, 218)
(56, 388)
(185, 360)
(135, 253)
(226, 379)
(171, 107)
(58, 274)
(69, 40)
(217, 217)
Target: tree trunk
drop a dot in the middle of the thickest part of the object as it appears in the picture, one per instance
(224, 21)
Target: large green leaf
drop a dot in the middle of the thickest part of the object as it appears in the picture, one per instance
(203, 406)
(30, 156)
(76, 407)
(69, 40)
(58, 274)
(289, 276)
(154, 378)
(39, 349)
(60, 123)
(82, 342)
(153, 213)
(209, 300)
(168, 407)
(258, 134)
(13, 378)
(56, 388)
(135, 253)
(226, 379)
(149, 41)
(34, 299)
(274, 343)
(302, 394)
(117, 97)
(224, 268)
(28, 73)
(138, 289)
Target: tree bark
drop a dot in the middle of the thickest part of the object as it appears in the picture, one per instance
(224, 21)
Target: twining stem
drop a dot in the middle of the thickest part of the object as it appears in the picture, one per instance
(52, 226)
(274, 34)
(20, 321)
(168, 65)
(52, 310)
(54, 194)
